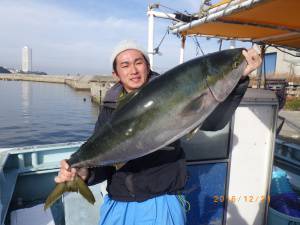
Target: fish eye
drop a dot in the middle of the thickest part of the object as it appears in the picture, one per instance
(235, 65)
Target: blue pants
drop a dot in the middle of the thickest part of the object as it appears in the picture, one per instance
(161, 210)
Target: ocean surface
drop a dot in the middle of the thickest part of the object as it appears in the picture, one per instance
(34, 113)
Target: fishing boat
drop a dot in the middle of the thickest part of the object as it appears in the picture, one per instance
(230, 170)
(264, 23)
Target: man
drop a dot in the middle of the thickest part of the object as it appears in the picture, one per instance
(146, 190)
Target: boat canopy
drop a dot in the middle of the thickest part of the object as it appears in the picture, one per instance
(271, 22)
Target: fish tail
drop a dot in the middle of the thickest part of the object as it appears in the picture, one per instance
(77, 185)
(85, 191)
(55, 194)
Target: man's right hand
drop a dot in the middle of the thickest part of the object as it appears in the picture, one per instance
(66, 173)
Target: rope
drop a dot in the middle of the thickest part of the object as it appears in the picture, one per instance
(156, 50)
(264, 47)
(185, 13)
(295, 55)
(226, 7)
(220, 45)
(186, 205)
(171, 18)
(198, 46)
(171, 9)
(265, 76)
(202, 11)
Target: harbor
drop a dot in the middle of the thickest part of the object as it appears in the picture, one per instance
(245, 172)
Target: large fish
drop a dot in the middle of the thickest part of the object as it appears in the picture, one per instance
(162, 111)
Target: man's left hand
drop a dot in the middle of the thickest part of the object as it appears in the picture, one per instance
(253, 60)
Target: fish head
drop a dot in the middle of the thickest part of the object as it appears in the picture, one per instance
(223, 71)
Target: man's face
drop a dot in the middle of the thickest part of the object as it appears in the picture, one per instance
(132, 69)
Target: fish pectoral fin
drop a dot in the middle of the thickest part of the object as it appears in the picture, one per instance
(195, 105)
(77, 185)
(119, 165)
(190, 135)
(126, 98)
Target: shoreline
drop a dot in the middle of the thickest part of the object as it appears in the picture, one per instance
(97, 85)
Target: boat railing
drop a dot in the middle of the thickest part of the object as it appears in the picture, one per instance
(25, 162)
(287, 156)
(19, 167)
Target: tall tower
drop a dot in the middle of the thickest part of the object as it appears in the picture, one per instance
(26, 59)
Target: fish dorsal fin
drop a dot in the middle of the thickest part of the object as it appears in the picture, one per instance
(125, 99)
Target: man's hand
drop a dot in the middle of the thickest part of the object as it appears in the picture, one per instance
(253, 59)
(68, 174)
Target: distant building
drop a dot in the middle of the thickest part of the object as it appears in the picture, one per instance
(283, 64)
(280, 71)
(26, 59)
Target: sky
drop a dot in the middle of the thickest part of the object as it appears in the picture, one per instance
(78, 36)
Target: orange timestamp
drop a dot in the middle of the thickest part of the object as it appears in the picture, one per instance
(241, 198)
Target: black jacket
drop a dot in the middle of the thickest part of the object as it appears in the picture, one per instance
(163, 171)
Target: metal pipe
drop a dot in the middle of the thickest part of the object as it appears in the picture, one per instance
(232, 44)
(213, 10)
(21, 161)
(34, 159)
(181, 59)
(150, 36)
(179, 24)
(220, 46)
(262, 54)
(161, 14)
(216, 15)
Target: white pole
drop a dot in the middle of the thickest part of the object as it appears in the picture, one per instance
(151, 14)
(232, 44)
(181, 59)
(150, 36)
(162, 15)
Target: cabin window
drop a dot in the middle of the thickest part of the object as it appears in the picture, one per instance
(207, 145)
(269, 63)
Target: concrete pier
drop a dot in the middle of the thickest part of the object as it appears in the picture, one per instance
(96, 85)
(33, 77)
(98, 90)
